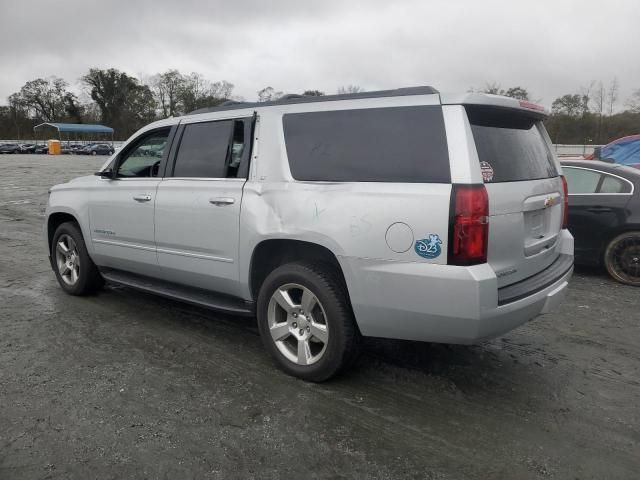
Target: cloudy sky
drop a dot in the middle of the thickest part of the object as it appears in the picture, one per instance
(550, 47)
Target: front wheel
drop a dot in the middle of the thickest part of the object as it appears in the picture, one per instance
(74, 269)
(305, 321)
(622, 258)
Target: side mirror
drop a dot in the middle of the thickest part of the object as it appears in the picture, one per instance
(104, 174)
(597, 151)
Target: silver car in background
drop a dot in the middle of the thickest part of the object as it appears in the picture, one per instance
(403, 214)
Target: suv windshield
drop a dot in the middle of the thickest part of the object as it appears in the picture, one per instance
(511, 145)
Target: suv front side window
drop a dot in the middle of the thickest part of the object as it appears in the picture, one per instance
(143, 158)
(214, 149)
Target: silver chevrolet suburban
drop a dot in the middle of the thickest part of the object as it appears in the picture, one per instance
(404, 214)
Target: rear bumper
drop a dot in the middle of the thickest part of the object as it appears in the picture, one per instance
(449, 304)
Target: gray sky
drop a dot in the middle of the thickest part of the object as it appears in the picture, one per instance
(549, 47)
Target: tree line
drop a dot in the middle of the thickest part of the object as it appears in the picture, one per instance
(126, 103)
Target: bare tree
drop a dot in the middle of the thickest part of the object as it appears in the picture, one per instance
(634, 101)
(599, 98)
(350, 89)
(167, 88)
(221, 90)
(612, 94)
(268, 94)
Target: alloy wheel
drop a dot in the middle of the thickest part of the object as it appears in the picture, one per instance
(68, 259)
(624, 259)
(298, 324)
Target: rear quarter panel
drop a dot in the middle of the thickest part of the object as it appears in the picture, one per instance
(352, 219)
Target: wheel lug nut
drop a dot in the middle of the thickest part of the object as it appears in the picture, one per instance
(295, 325)
(295, 315)
(308, 329)
(301, 331)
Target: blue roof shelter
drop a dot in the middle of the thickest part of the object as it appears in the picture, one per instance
(75, 128)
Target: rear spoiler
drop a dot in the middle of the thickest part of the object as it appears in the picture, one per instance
(490, 100)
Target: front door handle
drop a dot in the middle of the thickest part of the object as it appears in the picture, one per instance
(142, 198)
(221, 201)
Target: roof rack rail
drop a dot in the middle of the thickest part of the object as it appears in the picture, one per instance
(293, 98)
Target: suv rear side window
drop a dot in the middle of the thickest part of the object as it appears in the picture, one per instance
(399, 144)
(511, 145)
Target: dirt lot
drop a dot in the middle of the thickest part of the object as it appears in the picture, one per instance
(126, 385)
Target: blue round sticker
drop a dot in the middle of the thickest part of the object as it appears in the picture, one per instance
(429, 247)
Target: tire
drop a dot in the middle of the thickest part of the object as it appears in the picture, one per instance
(622, 258)
(93, 152)
(329, 335)
(74, 269)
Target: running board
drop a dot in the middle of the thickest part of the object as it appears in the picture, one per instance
(182, 293)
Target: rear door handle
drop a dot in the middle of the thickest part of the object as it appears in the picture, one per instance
(598, 209)
(222, 201)
(142, 198)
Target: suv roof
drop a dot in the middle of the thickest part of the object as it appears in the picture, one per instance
(467, 98)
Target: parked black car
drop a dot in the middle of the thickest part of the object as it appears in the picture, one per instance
(26, 148)
(96, 149)
(42, 148)
(604, 216)
(9, 148)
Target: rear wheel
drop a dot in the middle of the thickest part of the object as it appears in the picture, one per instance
(622, 258)
(74, 269)
(305, 321)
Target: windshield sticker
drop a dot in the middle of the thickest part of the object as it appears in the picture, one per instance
(487, 171)
(429, 247)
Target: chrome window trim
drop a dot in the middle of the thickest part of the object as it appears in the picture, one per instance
(601, 173)
(228, 179)
(124, 179)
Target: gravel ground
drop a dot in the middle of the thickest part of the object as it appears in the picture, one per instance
(124, 384)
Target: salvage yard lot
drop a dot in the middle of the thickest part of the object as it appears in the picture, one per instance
(124, 384)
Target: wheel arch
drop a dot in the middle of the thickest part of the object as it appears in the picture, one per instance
(55, 219)
(270, 253)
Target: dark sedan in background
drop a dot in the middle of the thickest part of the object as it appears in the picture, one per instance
(9, 148)
(604, 216)
(96, 149)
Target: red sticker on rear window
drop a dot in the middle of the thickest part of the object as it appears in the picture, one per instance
(487, 171)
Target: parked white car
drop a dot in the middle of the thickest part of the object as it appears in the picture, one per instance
(403, 214)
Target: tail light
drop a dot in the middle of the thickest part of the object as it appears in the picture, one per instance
(565, 203)
(469, 230)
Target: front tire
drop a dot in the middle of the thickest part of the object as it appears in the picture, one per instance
(306, 322)
(74, 269)
(622, 258)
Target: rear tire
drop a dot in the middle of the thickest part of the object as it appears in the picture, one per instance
(74, 269)
(622, 258)
(306, 322)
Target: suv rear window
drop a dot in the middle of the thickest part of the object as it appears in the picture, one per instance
(399, 144)
(511, 145)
